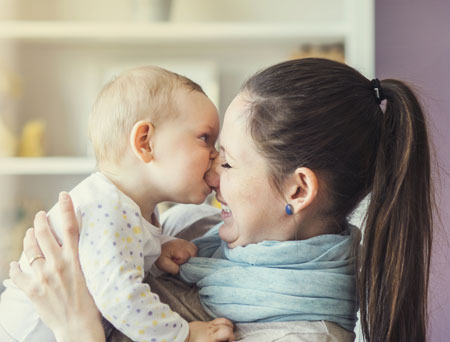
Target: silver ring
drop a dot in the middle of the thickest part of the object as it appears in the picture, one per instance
(33, 259)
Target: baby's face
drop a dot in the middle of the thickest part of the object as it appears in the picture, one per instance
(184, 148)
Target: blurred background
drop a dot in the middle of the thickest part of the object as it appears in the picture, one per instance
(55, 55)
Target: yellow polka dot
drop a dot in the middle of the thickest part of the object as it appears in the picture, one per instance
(143, 294)
(163, 315)
(91, 224)
(139, 268)
(155, 323)
(105, 232)
(129, 239)
(117, 300)
(130, 296)
(124, 322)
(116, 234)
(121, 268)
(137, 230)
(124, 217)
(116, 207)
(141, 332)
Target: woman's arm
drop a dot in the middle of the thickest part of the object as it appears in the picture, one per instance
(57, 287)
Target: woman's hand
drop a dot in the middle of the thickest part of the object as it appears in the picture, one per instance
(217, 330)
(57, 286)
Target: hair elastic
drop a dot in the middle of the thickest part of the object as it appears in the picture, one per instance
(379, 95)
(289, 209)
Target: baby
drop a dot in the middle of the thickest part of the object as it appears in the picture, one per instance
(153, 133)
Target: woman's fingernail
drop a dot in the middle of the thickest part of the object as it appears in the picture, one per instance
(63, 196)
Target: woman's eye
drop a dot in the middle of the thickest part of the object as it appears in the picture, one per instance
(226, 166)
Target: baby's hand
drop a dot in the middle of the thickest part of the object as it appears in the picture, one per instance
(173, 253)
(217, 330)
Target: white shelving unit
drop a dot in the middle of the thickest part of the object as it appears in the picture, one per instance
(62, 50)
(47, 166)
(49, 42)
(171, 33)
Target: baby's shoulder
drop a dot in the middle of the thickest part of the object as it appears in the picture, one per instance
(98, 192)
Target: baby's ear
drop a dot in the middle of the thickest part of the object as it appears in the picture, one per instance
(140, 140)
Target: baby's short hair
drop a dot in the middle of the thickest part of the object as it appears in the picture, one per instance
(142, 93)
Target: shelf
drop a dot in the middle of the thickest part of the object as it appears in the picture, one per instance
(169, 33)
(47, 166)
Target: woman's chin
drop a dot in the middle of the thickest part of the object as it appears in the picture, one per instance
(228, 233)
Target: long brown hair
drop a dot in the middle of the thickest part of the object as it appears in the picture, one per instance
(324, 115)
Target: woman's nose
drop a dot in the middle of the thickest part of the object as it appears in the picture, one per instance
(212, 177)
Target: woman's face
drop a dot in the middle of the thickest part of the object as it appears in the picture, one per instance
(252, 210)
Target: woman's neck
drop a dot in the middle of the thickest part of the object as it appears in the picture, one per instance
(315, 225)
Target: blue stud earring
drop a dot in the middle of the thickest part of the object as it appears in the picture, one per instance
(289, 209)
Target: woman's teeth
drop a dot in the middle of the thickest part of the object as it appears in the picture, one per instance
(226, 208)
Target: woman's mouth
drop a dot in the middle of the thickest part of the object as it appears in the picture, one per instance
(226, 211)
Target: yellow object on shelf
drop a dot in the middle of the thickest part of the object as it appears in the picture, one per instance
(334, 52)
(10, 91)
(8, 141)
(32, 141)
(10, 83)
(215, 203)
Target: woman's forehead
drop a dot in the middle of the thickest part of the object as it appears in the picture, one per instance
(236, 143)
(235, 139)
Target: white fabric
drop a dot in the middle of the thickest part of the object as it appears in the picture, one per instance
(181, 216)
(117, 246)
(300, 331)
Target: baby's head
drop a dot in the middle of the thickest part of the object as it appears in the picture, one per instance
(164, 124)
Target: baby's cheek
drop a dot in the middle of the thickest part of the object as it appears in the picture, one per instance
(202, 163)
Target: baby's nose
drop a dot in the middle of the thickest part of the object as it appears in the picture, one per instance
(214, 153)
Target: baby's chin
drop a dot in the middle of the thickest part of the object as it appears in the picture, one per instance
(197, 198)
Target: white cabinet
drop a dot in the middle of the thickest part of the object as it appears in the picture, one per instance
(63, 50)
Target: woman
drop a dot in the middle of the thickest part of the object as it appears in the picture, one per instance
(302, 144)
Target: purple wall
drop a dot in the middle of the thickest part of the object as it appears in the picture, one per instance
(413, 43)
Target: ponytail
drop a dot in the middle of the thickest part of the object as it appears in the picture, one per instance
(395, 259)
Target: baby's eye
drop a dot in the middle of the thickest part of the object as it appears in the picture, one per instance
(226, 166)
(205, 137)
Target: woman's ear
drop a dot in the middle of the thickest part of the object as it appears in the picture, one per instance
(302, 189)
(141, 140)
